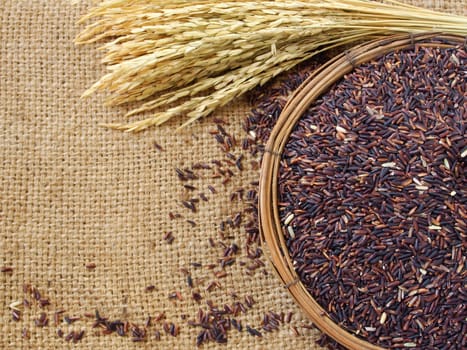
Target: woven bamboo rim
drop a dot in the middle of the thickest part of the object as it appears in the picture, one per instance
(270, 224)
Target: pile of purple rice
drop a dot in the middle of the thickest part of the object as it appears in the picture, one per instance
(373, 200)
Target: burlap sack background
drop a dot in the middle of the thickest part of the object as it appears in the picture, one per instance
(72, 193)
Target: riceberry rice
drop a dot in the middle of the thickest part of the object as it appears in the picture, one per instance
(373, 199)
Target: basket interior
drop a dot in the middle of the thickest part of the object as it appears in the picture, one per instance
(270, 224)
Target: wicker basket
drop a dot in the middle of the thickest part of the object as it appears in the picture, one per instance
(303, 97)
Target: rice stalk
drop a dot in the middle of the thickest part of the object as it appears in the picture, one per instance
(200, 55)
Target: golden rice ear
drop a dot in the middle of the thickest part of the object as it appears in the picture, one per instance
(269, 220)
(192, 57)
